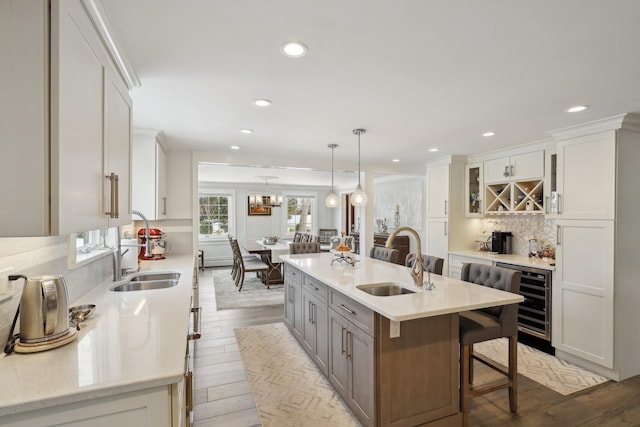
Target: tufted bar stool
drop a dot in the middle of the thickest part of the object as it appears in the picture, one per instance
(487, 324)
(304, 248)
(433, 264)
(384, 254)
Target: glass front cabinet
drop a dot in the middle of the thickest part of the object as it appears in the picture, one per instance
(473, 190)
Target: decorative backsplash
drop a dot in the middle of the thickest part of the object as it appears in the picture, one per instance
(524, 227)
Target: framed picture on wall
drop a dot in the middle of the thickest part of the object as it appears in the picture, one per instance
(258, 210)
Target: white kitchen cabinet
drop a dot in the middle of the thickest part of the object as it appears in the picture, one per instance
(473, 190)
(595, 291)
(583, 291)
(457, 261)
(587, 176)
(517, 167)
(447, 227)
(149, 187)
(144, 408)
(76, 131)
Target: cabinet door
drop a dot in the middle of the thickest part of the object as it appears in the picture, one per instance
(473, 189)
(496, 170)
(24, 112)
(438, 191)
(338, 366)
(77, 112)
(289, 304)
(527, 166)
(118, 150)
(321, 354)
(308, 328)
(586, 177)
(360, 353)
(438, 238)
(582, 292)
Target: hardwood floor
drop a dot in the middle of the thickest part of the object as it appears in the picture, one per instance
(223, 398)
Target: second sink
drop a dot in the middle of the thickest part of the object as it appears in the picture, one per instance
(385, 289)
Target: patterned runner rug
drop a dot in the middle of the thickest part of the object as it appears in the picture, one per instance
(287, 387)
(254, 293)
(541, 367)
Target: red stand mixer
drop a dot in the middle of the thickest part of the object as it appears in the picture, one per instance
(158, 244)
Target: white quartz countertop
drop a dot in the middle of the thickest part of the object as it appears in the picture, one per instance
(133, 341)
(449, 296)
(542, 263)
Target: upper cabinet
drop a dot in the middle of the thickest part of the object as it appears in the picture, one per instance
(474, 188)
(518, 167)
(149, 189)
(69, 117)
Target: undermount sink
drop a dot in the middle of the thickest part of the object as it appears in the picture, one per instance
(385, 289)
(139, 277)
(144, 286)
(148, 281)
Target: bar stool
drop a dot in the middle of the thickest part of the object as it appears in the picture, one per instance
(484, 325)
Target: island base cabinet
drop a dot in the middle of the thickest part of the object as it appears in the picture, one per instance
(417, 372)
(144, 408)
(351, 366)
(293, 301)
(314, 331)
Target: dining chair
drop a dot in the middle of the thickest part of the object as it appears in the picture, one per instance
(384, 254)
(304, 248)
(431, 263)
(324, 237)
(297, 237)
(246, 266)
(488, 324)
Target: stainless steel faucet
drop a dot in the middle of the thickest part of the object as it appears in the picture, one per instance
(117, 254)
(417, 269)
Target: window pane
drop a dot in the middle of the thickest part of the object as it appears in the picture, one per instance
(299, 214)
(214, 214)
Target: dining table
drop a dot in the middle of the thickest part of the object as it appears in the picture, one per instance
(270, 255)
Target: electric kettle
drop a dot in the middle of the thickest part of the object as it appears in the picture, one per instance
(44, 309)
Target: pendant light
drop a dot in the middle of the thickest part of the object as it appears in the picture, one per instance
(332, 200)
(359, 197)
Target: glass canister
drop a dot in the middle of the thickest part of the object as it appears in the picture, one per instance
(533, 248)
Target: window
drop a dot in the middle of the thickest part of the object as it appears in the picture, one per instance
(300, 214)
(215, 212)
(85, 246)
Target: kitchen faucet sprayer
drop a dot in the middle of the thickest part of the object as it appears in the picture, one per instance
(417, 269)
(117, 254)
(147, 246)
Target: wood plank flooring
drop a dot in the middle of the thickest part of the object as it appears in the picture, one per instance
(223, 398)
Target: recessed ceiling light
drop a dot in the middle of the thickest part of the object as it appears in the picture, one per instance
(396, 160)
(433, 150)
(293, 49)
(246, 131)
(490, 133)
(262, 103)
(235, 147)
(577, 108)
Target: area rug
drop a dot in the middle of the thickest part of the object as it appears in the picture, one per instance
(253, 294)
(287, 387)
(541, 367)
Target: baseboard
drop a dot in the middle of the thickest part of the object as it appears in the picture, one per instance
(588, 365)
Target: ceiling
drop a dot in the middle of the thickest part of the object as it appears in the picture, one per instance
(415, 74)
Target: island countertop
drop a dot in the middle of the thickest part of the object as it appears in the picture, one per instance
(449, 295)
(133, 341)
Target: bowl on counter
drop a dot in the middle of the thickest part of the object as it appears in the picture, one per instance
(270, 240)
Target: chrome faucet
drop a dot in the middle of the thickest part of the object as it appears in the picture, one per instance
(117, 254)
(417, 269)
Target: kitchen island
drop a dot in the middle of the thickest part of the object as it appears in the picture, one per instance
(126, 367)
(393, 359)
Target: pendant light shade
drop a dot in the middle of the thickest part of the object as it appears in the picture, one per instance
(332, 200)
(359, 197)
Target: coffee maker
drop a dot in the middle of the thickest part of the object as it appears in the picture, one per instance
(501, 242)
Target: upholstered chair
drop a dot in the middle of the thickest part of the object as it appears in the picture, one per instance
(304, 248)
(432, 264)
(384, 254)
(488, 324)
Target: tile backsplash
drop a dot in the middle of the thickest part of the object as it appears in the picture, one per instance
(524, 227)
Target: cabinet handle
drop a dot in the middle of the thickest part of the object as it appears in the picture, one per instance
(309, 315)
(315, 314)
(116, 202)
(559, 204)
(445, 228)
(188, 383)
(197, 319)
(111, 178)
(506, 171)
(164, 205)
(558, 229)
(347, 309)
(349, 344)
(445, 206)
(342, 340)
(292, 290)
